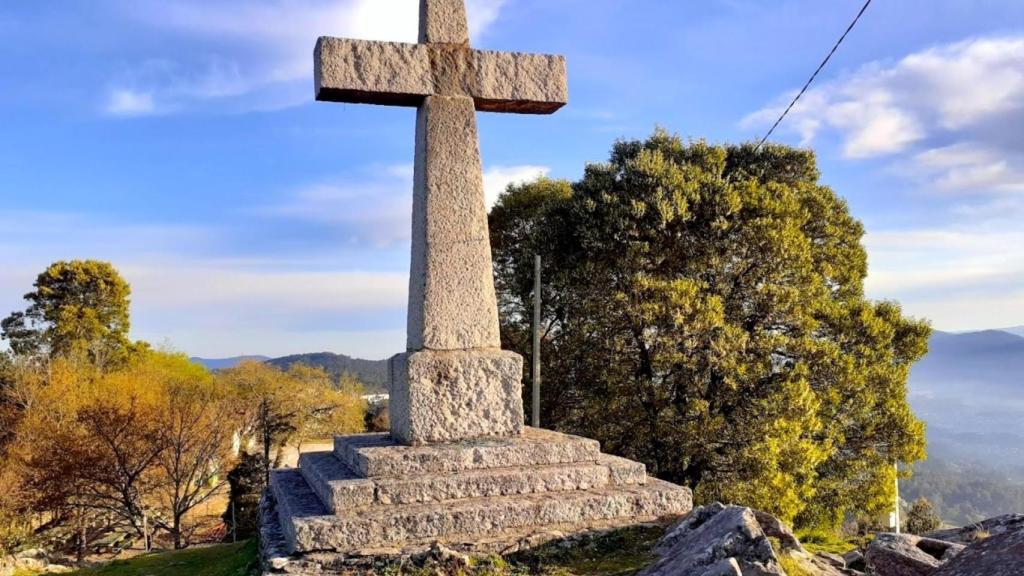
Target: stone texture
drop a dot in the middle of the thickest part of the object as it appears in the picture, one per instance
(1000, 554)
(907, 555)
(363, 72)
(443, 21)
(715, 539)
(340, 489)
(445, 396)
(452, 305)
(374, 455)
(311, 529)
(519, 83)
(336, 485)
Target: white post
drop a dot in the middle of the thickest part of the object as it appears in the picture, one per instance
(896, 515)
(536, 342)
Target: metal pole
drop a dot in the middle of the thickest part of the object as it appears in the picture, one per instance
(536, 343)
(897, 467)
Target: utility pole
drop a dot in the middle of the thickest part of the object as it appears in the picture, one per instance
(536, 342)
(896, 465)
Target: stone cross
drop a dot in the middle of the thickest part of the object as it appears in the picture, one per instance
(454, 383)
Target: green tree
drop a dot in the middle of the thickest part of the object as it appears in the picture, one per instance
(704, 313)
(922, 517)
(78, 307)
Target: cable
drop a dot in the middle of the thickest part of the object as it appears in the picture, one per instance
(813, 76)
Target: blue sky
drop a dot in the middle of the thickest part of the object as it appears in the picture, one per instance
(179, 139)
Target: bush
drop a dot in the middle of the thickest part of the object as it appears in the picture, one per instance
(922, 517)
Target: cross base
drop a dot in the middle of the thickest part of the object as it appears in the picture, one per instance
(449, 396)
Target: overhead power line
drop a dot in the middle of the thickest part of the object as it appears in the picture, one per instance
(815, 75)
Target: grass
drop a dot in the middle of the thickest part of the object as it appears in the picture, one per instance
(826, 541)
(222, 560)
(618, 553)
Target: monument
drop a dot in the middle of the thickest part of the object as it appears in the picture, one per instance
(459, 466)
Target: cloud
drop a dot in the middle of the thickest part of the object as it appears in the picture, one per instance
(960, 277)
(188, 287)
(374, 207)
(258, 54)
(123, 102)
(968, 168)
(886, 108)
(498, 178)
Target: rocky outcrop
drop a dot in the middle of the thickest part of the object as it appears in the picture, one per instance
(32, 561)
(908, 555)
(981, 530)
(718, 540)
(998, 554)
(715, 539)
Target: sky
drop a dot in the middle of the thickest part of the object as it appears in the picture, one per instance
(179, 140)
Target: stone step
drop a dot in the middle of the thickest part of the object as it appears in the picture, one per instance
(309, 528)
(371, 455)
(341, 489)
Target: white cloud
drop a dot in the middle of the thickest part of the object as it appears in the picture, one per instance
(188, 289)
(261, 55)
(962, 278)
(886, 108)
(376, 207)
(968, 168)
(498, 178)
(123, 102)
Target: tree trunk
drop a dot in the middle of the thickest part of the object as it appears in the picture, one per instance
(82, 543)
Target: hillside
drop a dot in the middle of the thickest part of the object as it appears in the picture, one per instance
(372, 373)
(224, 363)
(970, 391)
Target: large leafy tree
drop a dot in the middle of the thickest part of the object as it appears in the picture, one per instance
(704, 313)
(78, 308)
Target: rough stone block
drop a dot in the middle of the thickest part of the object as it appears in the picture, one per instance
(444, 21)
(337, 486)
(364, 72)
(373, 455)
(519, 83)
(452, 303)
(447, 396)
(623, 471)
(478, 517)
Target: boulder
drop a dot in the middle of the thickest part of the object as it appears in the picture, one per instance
(774, 528)
(716, 540)
(980, 530)
(854, 560)
(908, 555)
(1000, 554)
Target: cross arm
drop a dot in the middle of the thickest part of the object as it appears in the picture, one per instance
(519, 83)
(365, 72)
(400, 74)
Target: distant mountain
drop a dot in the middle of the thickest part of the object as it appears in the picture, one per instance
(969, 389)
(372, 373)
(224, 363)
(1018, 330)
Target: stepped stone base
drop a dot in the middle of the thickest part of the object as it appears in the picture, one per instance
(372, 496)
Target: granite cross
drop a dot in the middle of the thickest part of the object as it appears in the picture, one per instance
(459, 385)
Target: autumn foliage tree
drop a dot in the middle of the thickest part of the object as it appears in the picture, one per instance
(279, 407)
(704, 313)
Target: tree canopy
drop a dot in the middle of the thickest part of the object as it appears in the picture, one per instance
(78, 307)
(704, 313)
